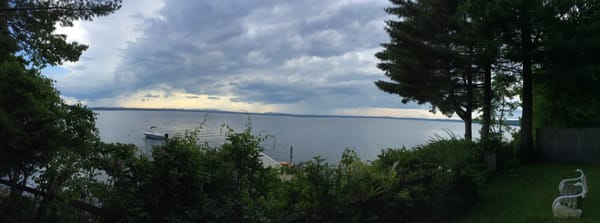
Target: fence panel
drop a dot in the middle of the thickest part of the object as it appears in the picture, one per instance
(569, 145)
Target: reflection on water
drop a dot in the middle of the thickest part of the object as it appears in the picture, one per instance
(310, 136)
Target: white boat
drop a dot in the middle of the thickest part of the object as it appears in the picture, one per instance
(268, 161)
(153, 134)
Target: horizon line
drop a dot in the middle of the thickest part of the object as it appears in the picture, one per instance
(105, 108)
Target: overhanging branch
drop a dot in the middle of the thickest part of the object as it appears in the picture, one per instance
(49, 8)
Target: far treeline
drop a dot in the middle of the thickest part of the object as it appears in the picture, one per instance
(466, 56)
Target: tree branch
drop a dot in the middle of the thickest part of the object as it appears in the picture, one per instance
(44, 9)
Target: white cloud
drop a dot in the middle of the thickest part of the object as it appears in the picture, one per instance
(256, 57)
(72, 101)
(174, 98)
(300, 56)
(108, 37)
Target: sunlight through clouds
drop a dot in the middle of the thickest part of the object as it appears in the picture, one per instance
(255, 56)
(392, 112)
(180, 99)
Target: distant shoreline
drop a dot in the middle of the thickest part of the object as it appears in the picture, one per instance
(509, 122)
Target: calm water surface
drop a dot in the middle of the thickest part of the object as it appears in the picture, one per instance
(310, 136)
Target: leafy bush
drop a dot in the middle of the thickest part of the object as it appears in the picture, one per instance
(448, 176)
(505, 151)
(189, 182)
(45, 143)
(319, 192)
(427, 183)
(184, 181)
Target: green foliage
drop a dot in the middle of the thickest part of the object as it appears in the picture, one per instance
(504, 151)
(16, 210)
(566, 86)
(30, 116)
(424, 67)
(185, 181)
(441, 52)
(427, 183)
(27, 28)
(39, 134)
(42, 138)
(444, 54)
(456, 170)
(349, 192)
(504, 101)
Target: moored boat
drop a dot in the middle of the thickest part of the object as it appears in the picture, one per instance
(268, 161)
(153, 134)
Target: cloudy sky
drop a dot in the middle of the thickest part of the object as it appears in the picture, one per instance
(297, 56)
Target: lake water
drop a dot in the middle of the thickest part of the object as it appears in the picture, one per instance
(310, 136)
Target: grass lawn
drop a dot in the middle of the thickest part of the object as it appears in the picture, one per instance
(525, 194)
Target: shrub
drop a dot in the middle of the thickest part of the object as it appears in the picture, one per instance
(189, 182)
(505, 151)
(426, 183)
(449, 175)
(350, 192)
(183, 181)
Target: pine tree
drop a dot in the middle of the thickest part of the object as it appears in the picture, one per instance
(430, 58)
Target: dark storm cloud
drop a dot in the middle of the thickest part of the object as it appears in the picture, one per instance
(151, 96)
(258, 51)
(307, 52)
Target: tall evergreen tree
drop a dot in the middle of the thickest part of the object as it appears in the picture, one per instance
(523, 36)
(566, 85)
(441, 52)
(430, 58)
(481, 25)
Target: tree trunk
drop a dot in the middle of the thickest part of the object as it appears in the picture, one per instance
(466, 114)
(487, 103)
(41, 212)
(469, 107)
(526, 143)
(463, 116)
(468, 130)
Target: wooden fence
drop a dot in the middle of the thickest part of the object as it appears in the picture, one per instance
(569, 144)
